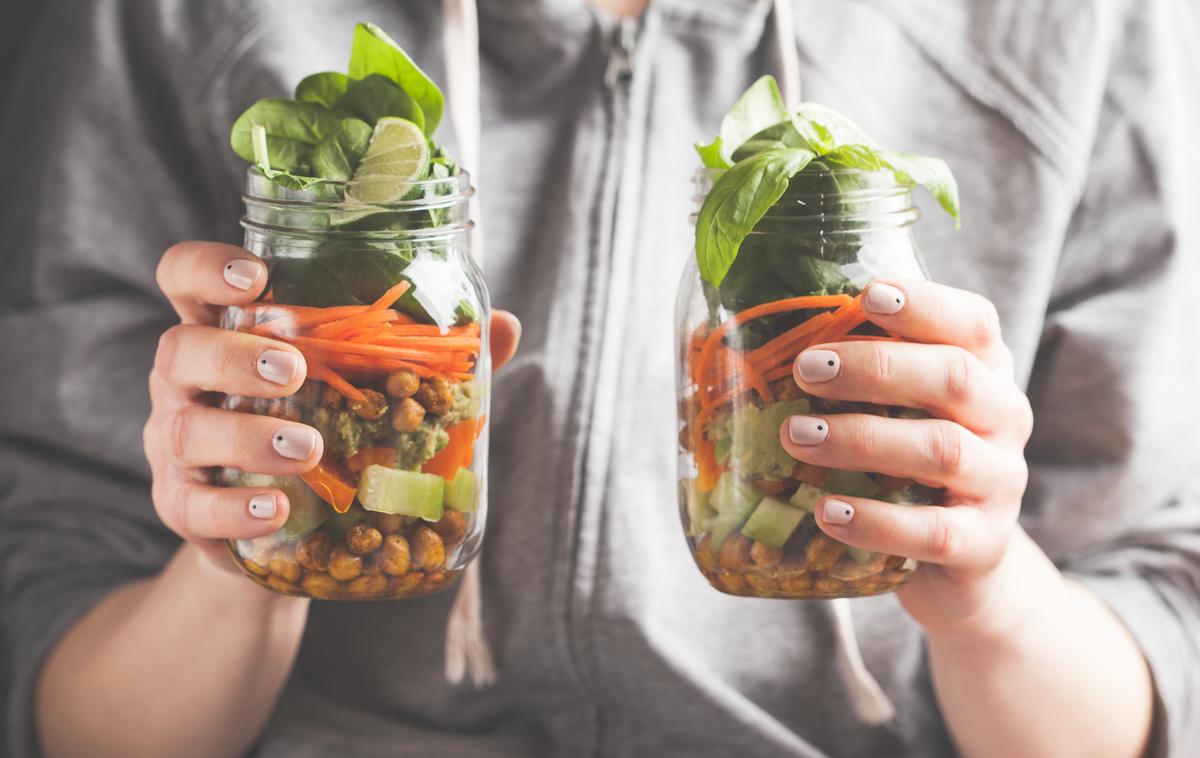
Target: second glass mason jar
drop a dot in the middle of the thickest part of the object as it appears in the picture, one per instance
(747, 506)
(391, 315)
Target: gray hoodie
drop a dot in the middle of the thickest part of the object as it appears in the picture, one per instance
(1071, 126)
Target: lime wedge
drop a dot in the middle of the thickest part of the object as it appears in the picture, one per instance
(844, 131)
(398, 155)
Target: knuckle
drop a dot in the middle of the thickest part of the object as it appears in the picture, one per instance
(180, 432)
(946, 448)
(880, 364)
(985, 329)
(942, 539)
(958, 381)
(1023, 417)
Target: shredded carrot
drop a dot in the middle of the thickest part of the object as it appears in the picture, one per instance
(342, 326)
(331, 485)
(394, 293)
(787, 345)
(333, 379)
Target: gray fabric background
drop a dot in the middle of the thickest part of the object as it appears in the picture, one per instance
(1070, 124)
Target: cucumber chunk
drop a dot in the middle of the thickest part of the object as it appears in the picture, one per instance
(460, 492)
(806, 497)
(700, 513)
(852, 483)
(408, 493)
(773, 522)
(734, 501)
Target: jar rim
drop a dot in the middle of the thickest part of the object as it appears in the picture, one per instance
(458, 185)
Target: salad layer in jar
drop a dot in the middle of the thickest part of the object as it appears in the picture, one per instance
(801, 210)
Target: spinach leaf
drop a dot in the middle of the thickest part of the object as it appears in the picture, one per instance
(931, 173)
(336, 156)
(374, 52)
(293, 131)
(325, 88)
(738, 200)
(759, 106)
(377, 96)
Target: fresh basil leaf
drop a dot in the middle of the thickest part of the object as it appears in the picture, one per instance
(816, 136)
(293, 130)
(377, 96)
(374, 52)
(710, 154)
(931, 173)
(325, 88)
(841, 130)
(739, 199)
(336, 156)
(759, 106)
(855, 156)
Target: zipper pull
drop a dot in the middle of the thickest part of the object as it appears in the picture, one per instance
(620, 63)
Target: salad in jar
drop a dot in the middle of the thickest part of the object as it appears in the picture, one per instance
(362, 220)
(800, 211)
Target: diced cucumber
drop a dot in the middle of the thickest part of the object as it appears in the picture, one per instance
(460, 492)
(852, 483)
(773, 521)
(700, 514)
(806, 497)
(409, 493)
(734, 502)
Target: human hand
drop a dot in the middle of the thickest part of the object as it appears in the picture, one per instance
(958, 369)
(186, 435)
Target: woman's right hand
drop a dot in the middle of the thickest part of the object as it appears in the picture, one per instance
(186, 435)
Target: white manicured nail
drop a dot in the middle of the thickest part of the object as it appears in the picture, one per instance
(818, 365)
(242, 273)
(262, 506)
(296, 442)
(807, 430)
(837, 512)
(278, 366)
(883, 299)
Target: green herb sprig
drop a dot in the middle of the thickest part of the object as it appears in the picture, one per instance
(761, 147)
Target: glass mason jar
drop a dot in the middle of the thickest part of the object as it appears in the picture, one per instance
(391, 315)
(747, 506)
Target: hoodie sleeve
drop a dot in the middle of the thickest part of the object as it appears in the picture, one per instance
(103, 169)
(1114, 492)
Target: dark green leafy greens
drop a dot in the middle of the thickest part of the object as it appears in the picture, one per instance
(762, 148)
(323, 133)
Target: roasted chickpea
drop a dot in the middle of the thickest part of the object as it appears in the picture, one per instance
(763, 586)
(386, 523)
(371, 565)
(407, 415)
(827, 586)
(255, 568)
(435, 394)
(343, 564)
(331, 398)
(733, 583)
(402, 383)
(765, 556)
(366, 586)
(434, 580)
(363, 539)
(372, 408)
(279, 584)
(704, 555)
(734, 553)
(428, 550)
(795, 584)
(395, 558)
(313, 551)
(403, 585)
(822, 552)
(849, 570)
(321, 586)
(452, 528)
(285, 570)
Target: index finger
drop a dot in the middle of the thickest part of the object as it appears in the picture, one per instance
(921, 311)
(196, 276)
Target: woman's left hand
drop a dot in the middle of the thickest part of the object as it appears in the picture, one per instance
(955, 367)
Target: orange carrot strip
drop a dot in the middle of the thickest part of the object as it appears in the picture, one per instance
(334, 328)
(371, 456)
(394, 293)
(330, 485)
(457, 453)
(846, 318)
(446, 343)
(787, 345)
(758, 311)
(329, 376)
(337, 346)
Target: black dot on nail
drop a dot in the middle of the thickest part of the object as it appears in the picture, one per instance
(820, 428)
(847, 511)
(897, 300)
(279, 438)
(831, 363)
(229, 267)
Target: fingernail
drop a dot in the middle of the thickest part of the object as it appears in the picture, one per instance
(262, 506)
(883, 298)
(807, 430)
(278, 366)
(837, 512)
(242, 273)
(818, 365)
(296, 442)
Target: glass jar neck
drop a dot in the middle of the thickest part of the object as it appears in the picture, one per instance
(427, 208)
